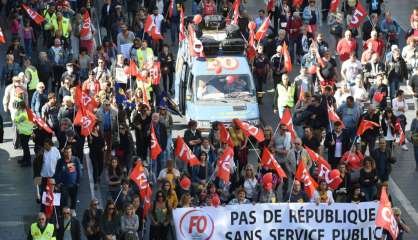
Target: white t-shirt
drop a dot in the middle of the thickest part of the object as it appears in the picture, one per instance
(51, 158)
(351, 70)
(396, 105)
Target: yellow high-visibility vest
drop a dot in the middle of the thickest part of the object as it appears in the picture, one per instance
(65, 26)
(23, 125)
(141, 58)
(48, 233)
(34, 78)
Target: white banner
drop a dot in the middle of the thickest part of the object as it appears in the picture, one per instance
(294, 221)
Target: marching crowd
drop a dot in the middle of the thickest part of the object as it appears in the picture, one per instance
(64, 90)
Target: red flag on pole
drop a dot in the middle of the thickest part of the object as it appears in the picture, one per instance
(38, 120)
(304, 177)
(49, 200)
(140, 178)
(225, 163)
(268, 160)
(287, 59)
(331, 177)
(86, 120)
(2, 37)
(270, 5)
(250, 130)
(251, 52)
(333, 116)
(132, 70)
(334, 5)
(86, 27)
(182, 35)
(224, 136)
(287, 120)
(262, 31)
(156, 35)
(317, 158)
(155, 147)
(358, 16)
(364, 126)
(147, 202)
(34, 15)
(385, 217)
(235, 6)
(184, 153)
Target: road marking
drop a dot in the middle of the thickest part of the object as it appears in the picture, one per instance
(406, 204)
(94, 194)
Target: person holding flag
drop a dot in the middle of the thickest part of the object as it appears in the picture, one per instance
(160, 131)
(368, 134)
(25, 129)
(337, 142)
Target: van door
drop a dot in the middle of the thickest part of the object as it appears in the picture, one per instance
(183, 88)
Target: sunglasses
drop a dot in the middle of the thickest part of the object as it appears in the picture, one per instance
(66, 212)
(111, 208)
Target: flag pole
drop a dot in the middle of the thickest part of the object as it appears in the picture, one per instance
(291, 189)
(56, 216)
(117, 197)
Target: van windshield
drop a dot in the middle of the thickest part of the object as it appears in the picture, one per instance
(224, 86)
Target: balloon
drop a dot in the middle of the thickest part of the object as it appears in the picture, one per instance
(230, 80)
(218, 69)
(334, 174)
(197, 19)
(215, 201)
(251, 25)
(185, 183)
(267, 178)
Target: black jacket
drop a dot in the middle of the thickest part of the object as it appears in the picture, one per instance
(390, 69)
(345, 139)
(370, 133)
(75, 229)
(299, 48)
(161, 133)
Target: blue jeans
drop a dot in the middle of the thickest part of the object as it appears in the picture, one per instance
(416, 155)
(369, 193)
(394, 86)
(174, 30)
(28, 47)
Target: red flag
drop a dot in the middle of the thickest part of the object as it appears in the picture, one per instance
(235, 6)
(49, 200)
(250, 130)
(317, 158)
(224, 136)
(88, 102)
(334, 5)
(262, 31)
(132, 70)
(2, 37)
(399, 130)
(364, 125)
(378, 96)
(287, 120)
(268, 160)
(86, 119)
(385, 217)
(34, 15)
(156, 35)
(155, 146)
(182, 35)
(184, 153)
(156, 73)
(358, 16)
(251, 52)
(225, 163)
(333, 116)
(86, 27)
(270, 5)
(287, 59)
(78, 96)
(297, 3)
(147, 202)
(353, 160)
(140, 178)
(170, 8)
(304, 177)
(331, 177)
(38, 120)
(148, 24)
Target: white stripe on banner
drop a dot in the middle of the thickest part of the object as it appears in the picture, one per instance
(301, 221)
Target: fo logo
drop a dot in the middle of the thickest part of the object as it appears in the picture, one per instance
(196, 224)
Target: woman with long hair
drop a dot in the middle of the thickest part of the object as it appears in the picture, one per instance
(96, 145)
(109, 223)
(160, 218)
(250, 183)
(115, 176)
(387, 125)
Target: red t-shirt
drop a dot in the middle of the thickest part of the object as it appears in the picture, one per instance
(345, 48)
